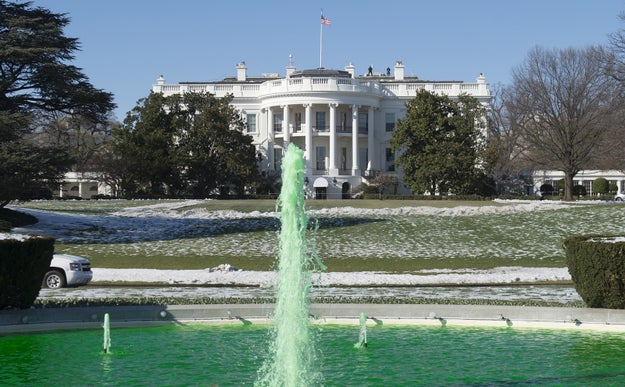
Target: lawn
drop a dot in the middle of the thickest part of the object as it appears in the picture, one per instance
(352, 235)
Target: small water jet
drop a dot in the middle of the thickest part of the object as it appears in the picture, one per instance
(292, 352)
(362, 336)
(107, 333)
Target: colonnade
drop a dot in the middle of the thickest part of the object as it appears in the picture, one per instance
(311, 131)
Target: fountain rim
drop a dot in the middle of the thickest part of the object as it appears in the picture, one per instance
(64, 319)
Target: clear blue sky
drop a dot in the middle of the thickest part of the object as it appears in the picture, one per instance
(126, 45)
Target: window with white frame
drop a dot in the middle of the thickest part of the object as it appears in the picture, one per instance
(320, 152)
(320, 120)
(277, 122)
(277, 159)
(390, 121)
(363, 122)
(390, 160)
(251, 123)
(298, 121)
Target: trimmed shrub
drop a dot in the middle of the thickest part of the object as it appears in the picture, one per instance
(23, 263)
(600, 186)
(547, 190)
(579, 190)
(597, 266)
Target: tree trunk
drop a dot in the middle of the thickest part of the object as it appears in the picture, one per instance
(568, 186)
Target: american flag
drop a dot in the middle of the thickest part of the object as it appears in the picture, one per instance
(325, 20)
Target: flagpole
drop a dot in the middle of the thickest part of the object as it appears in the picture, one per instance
(320, 39)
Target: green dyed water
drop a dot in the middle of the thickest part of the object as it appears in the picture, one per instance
(227, 355)
(292, 359)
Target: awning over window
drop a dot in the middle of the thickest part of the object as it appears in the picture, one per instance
(320, 182)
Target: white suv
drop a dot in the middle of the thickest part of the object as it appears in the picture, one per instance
(67, 270)
(619, 197)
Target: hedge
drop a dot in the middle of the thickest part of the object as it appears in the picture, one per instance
(23, 264)
(597, 266)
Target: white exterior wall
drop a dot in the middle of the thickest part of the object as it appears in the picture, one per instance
(373, 96)
(83, 185)
(584, 178)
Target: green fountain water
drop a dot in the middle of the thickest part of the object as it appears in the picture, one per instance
(292, 357)
(106, 344)
(362, 335)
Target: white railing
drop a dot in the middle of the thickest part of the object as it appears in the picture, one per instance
(327, 84)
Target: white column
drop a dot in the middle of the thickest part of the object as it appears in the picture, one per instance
(355, 170)
(309, 145)
(333, 170)
(270, 139)
(285, 126)
(370, 141)
(80, 189)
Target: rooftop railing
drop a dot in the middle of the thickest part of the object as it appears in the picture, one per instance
(329, 84)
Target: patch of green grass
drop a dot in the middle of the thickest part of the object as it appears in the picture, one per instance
(395, 243)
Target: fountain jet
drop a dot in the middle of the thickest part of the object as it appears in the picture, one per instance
(107, 333)
(362, 336)
(292, 353)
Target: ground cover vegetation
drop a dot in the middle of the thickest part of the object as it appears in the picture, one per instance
(390, 238)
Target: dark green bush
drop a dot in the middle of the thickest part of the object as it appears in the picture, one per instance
(23, 263)
(597, 266)
(579, 190)
(600, 186)
(547, 190)
(15, 219)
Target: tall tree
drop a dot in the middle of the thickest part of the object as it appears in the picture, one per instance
(145, 149)
(34, 56)
(192, 144)
(615, 66)
(439, 142)
(564, 102)
(36, 78)
(503, 153)
(217, 152)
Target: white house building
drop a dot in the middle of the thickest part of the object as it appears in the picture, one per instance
(584, 178)
(82, 185)
(342, 121)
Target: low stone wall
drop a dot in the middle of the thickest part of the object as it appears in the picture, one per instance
(54, 319)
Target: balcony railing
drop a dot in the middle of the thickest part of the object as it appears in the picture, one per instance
(299, 85)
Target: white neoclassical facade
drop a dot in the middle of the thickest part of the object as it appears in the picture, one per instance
(584, 178)
(342, 121)
(82, 185)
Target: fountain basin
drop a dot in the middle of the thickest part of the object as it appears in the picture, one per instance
(224, 354)
(51, 319)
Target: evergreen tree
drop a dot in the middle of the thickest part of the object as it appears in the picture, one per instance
(192, 145)
(36, 79)
(439, 143)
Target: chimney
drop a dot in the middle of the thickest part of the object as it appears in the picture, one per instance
(241, 72)
(399, 71)
(350, 68)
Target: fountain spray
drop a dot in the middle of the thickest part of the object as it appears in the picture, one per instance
(292, 352)
(362, 335)
(107, 333)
